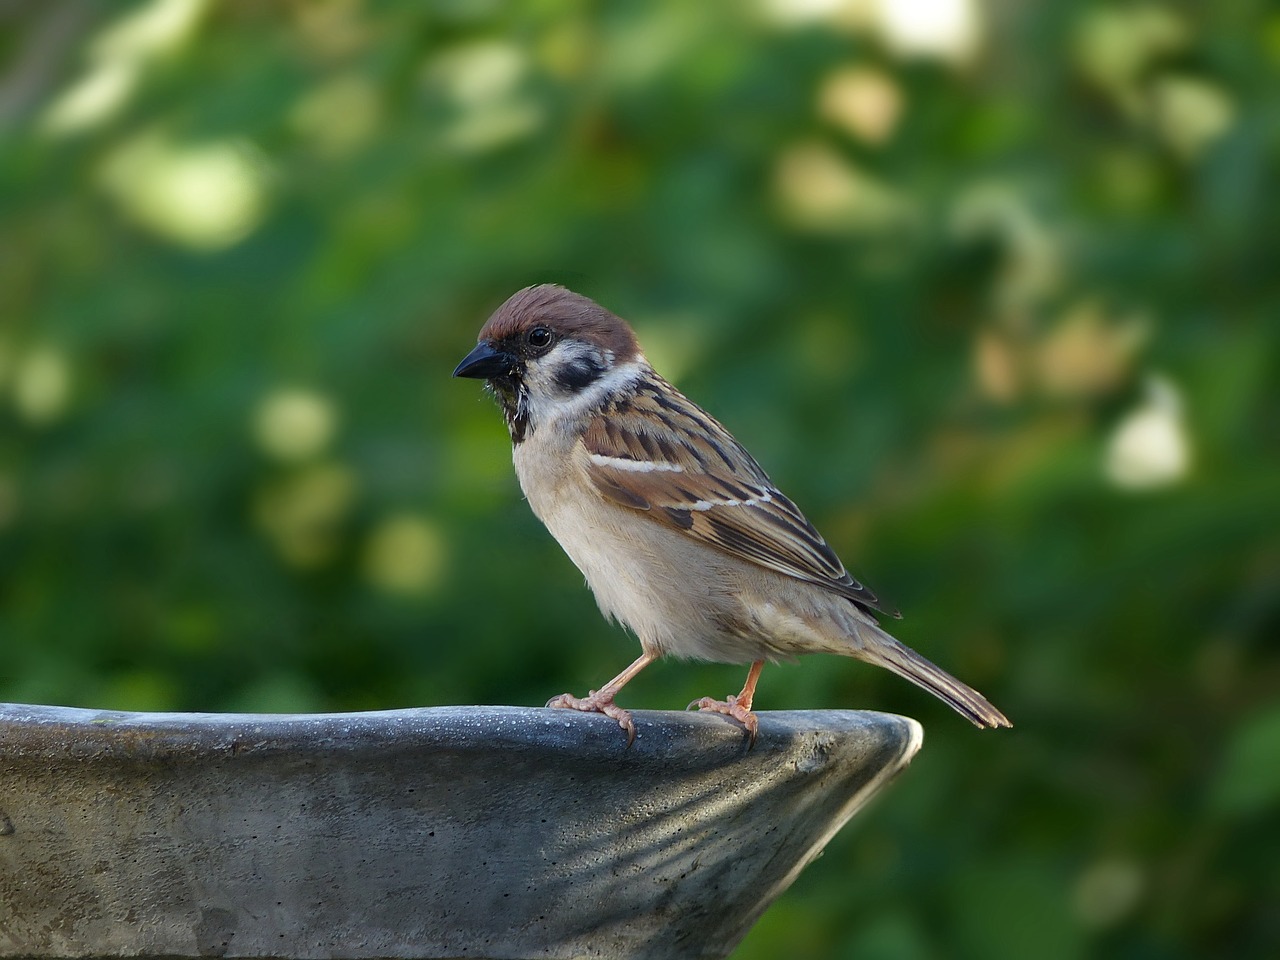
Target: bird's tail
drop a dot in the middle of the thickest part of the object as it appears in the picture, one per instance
(887, 652)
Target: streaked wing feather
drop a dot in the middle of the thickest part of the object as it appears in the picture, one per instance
(690, 475)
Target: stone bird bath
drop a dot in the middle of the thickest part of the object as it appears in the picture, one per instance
(485, 832)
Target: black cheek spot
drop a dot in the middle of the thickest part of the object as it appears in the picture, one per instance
(579, 374)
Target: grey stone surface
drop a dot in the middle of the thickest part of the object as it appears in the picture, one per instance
(496, 832)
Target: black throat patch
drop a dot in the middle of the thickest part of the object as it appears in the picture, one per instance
(517, 423)
(513, 397)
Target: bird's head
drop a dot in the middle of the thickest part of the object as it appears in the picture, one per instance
(545, 352)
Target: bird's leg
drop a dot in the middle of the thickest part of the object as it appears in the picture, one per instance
(601, 701)
(739, 707)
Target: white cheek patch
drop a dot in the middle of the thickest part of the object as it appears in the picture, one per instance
(548, 401)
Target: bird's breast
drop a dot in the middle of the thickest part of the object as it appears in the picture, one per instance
(680, 597)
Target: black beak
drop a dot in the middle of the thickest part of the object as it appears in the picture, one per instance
(485, 363)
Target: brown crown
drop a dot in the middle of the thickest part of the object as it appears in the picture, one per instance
(565, 313)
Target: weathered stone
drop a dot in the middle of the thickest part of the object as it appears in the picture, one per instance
(496, 832)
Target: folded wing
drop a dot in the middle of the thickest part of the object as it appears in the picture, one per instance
(658, 453)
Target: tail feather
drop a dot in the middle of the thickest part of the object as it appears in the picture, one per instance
(960, 697)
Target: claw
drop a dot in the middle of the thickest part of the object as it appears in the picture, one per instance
(601, 701)
(595, 703)
(732, 708)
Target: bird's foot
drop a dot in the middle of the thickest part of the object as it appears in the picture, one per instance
(731, 707)
(597, 702)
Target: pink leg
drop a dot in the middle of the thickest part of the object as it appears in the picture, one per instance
(739, 707)
(601, 701)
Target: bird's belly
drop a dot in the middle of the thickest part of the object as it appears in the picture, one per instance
(679, 597)
(624, 572)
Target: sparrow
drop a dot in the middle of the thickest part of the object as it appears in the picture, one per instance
(681, 535)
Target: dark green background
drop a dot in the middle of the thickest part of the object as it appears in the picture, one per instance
(931, 329)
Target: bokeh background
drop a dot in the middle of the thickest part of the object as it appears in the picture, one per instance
(990, 288)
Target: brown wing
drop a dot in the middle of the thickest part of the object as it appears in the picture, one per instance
(658, 453)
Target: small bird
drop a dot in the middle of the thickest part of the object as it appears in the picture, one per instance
(680, 534)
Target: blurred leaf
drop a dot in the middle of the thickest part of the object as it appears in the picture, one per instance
(1033, 917)
(1249, 779)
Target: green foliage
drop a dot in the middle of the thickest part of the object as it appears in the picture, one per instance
(997, 308)
(1250, 780)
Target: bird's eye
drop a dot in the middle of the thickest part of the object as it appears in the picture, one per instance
(539, 338)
